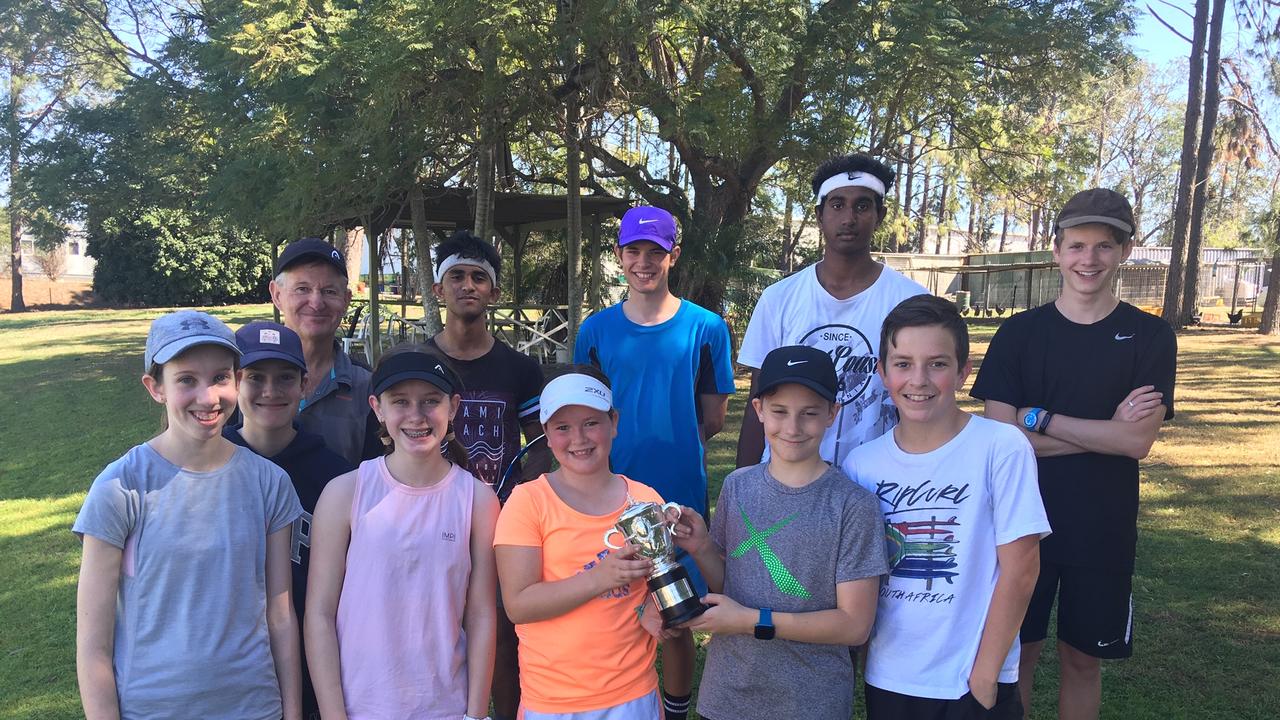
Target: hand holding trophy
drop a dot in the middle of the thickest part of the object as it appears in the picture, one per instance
(646, 526)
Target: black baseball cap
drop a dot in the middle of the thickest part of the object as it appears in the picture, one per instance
(1098, 205)
(311, 248)
(800, 364)
(412, 365)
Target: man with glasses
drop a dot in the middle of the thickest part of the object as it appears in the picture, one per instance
(310, 290)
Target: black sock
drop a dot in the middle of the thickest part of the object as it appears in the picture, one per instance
(676, 706)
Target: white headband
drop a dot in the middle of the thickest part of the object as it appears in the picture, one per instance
(573, 389)
(856, 178)
(452, 260)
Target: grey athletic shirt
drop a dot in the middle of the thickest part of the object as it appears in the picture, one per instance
(787, 549)
(191, 626)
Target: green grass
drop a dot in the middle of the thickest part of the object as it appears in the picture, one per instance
(1208, 624)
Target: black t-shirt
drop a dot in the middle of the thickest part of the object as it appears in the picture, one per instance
(1041, 359)
(310, 465)
(500, 392)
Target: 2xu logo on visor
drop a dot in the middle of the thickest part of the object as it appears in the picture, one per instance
(850, 352)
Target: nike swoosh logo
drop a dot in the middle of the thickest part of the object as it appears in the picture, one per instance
(1113, 642)
(1123, 337)
(644, 222)
(793, 363)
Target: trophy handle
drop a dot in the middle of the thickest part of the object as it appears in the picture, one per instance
(609, 533)
(671, 506)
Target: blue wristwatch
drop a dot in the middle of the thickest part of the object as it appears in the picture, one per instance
(764, 627)
(1032, 419)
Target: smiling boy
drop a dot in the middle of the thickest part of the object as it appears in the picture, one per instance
(1089, 379)
(272, 376)
(835, 305)
(962, 521)
(794, 557)
(672, 376)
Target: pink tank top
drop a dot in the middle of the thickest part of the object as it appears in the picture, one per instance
(400, 637)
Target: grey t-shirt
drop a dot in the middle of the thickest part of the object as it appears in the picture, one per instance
(191, 627)
(338, 409)
(787, 549)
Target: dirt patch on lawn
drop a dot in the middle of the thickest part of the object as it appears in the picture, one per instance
(38, 292)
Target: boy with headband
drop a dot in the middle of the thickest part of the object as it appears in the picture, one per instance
(500, 389)
(835, 305)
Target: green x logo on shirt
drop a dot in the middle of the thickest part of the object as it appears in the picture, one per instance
(782, 577)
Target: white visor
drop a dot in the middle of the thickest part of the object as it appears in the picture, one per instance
(856, 178)
(452, 260)
(573, 389)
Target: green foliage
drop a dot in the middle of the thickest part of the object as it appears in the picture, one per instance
(168, 257)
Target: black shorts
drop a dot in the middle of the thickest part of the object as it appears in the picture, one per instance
(889, 705)
(1095, 609)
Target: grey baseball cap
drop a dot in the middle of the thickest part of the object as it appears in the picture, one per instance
(174, 333)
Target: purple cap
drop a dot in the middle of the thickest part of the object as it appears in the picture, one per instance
(648, 223)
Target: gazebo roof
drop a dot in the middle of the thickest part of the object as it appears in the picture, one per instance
(451, 207)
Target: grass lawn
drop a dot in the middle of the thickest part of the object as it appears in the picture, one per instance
(1207, 622)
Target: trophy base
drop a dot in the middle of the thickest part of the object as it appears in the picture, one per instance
(675, 597)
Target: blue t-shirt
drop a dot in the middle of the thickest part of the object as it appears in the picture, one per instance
(657, 373)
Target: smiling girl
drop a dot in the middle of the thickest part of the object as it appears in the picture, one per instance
(401, 617)
(183, 606)
(577, 606)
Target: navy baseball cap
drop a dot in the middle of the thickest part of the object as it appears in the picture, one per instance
(170, 335)
(270, 341)
(311, 248)
(648, 223)
(412, 365)
(800, 364)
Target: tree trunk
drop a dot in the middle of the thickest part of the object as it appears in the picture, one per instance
(17, 304)
(1187, 167)
(426, 272)
(352, 247)
(909, 187)
(1004, 227)
(574, 227)
(1204, 163)
(1033, 228)
(1269, 325)
(594, 300)
(784, 259)
(922, 224)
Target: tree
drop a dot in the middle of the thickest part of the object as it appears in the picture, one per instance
(1204, 163)
(52, 262)
(736, 87)
(42, 69)
(1187, 166)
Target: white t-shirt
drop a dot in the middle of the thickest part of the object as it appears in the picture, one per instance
(945, 512)
(798, 311)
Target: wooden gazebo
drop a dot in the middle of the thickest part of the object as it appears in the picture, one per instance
(515, 215)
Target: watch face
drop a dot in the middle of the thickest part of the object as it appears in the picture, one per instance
(764, 632)
(1029, 420)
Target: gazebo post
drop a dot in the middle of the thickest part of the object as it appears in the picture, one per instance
(375, 328)
(275, 255)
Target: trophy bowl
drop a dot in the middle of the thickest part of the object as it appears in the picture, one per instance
(645, 525)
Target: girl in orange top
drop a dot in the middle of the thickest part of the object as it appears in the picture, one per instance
(576, 605)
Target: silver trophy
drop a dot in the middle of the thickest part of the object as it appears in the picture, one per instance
(645, 525)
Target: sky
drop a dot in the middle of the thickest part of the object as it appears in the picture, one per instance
(1158, 45)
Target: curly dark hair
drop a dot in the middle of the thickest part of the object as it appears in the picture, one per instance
(857, 162)
(464, 243)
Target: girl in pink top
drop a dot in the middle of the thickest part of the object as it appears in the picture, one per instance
(401, 618)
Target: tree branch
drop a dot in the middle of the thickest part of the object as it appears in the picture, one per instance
(1161, 20)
